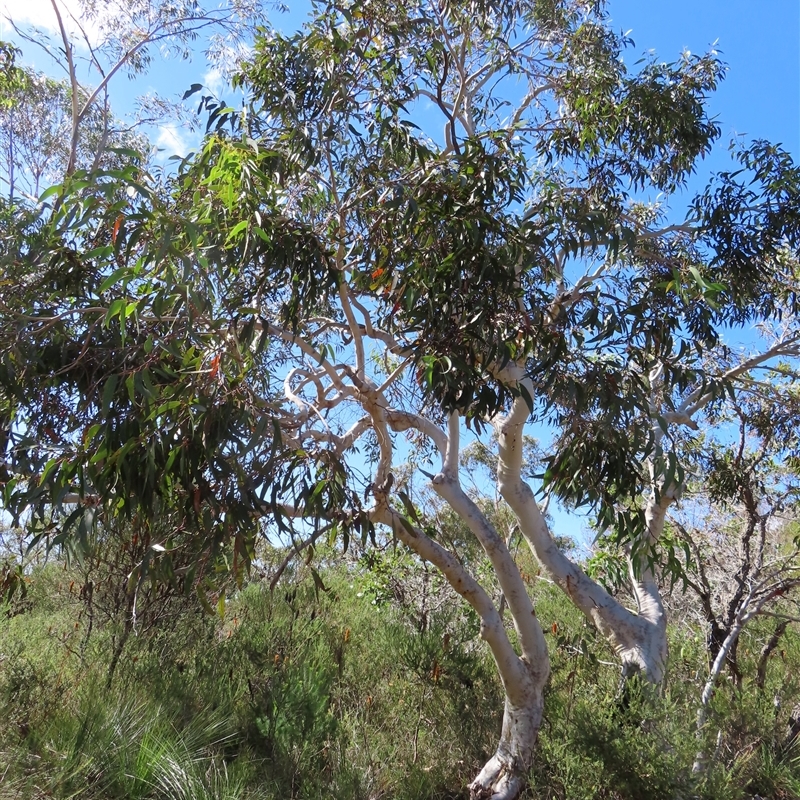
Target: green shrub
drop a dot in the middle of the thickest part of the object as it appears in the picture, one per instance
(364, 690)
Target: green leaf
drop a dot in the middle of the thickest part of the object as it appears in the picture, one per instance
(318, 584)
(203, 598)
(130, 385)
(51, 465)
(108, 392)
(407, 525)
(49, 192)
(411, 511)
(116, 308)
(236, 230)
(113, 278)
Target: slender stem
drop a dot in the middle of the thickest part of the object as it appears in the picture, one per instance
(74, 87)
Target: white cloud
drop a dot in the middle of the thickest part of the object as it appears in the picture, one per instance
(171, 142)
(215, 81)
(41, 14)
(35, 12)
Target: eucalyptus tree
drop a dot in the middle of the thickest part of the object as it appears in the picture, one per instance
(430, 221)
(36, 147)
(96, 41)
(63, 130)
(11, 75)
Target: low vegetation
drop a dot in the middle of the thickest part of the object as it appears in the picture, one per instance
(374, 688)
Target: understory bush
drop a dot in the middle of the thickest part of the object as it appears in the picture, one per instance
(361, 691)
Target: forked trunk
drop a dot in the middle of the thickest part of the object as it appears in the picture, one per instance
(523, 676)
(504, 775)
(639, 639)
(524, 673)
(645, 657)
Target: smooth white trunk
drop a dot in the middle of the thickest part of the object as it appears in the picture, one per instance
(505, 774)
(639, 639)
(529, 631)
(523, 676)
(700, 760)
(523, 680)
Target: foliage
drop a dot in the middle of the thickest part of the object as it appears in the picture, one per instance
(35, 135)
(11, 76)
(461, 217)
(139, 389)
(237, 347)
(292, 696)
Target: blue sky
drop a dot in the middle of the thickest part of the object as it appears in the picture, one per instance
(759, 41)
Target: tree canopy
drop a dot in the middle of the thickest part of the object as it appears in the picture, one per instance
(425, 222)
